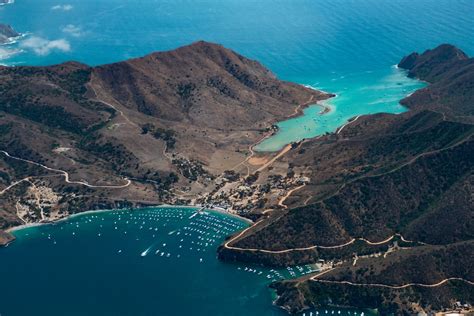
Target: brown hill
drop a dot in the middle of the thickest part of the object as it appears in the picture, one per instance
(168, 120)
(451, 74)
(201, 84)
(349, 285)
(383, 177)
(179, 127)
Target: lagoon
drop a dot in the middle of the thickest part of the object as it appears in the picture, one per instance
(357, 94)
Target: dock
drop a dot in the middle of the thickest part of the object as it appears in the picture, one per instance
(199, 211)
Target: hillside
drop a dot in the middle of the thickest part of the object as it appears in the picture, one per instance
(145, 131)
(400, 184)
(387, 200)
(451, 74)
(360, 285)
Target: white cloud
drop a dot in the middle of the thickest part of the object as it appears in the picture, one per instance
(62, 7)
(6, 53)
(7, 2)
(72, 30)
(43, 46)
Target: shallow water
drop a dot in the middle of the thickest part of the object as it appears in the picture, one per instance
(357, 94)
(344, 47)
(340, 46)
(155, 261)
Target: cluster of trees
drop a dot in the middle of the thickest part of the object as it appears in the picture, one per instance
(167, 135)
(191, 170)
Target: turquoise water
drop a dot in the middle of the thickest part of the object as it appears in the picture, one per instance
(300, 41)
(156, 261)
(341, 46)
(357, 94)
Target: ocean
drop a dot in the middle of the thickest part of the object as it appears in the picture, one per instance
(347, 47)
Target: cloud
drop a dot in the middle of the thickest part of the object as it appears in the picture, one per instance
(72, 30)
(62, 7)
(6, 53)
(43, 46)
(7, 2)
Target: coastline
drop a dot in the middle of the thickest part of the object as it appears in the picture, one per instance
(223, 211)
(325, 108)
(299, 111)
(10, 231)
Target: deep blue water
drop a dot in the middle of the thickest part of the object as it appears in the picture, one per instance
(347, 47)
(299, 40)
(155, 261)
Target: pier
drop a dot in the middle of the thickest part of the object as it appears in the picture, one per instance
(199, 211)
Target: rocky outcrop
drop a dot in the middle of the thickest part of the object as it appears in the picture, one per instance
(433, 63)
(408, 174)
(7, 33)
(5, 238)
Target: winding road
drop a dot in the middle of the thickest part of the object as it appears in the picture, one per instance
(409, 162)
(351, 121)
(98, 99)
(287, 195)
(27, 179)
(395, 287)
(64, 173)
(350, 242)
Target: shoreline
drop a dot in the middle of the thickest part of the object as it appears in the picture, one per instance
(299, 111)
(325, 110)
(13, 229)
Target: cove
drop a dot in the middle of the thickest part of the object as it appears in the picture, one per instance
(152, 261)
(341, 47)
(357, 94)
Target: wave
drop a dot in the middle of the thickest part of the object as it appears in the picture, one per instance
(14, 39)
(6, 53)
(6, 2)
(313, 87)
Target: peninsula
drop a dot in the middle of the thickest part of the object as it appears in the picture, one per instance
(383, 204)
(388, 207)
(172, 127)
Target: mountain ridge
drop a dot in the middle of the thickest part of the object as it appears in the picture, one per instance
(168, 121)
(386, 186)
(179, 127)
